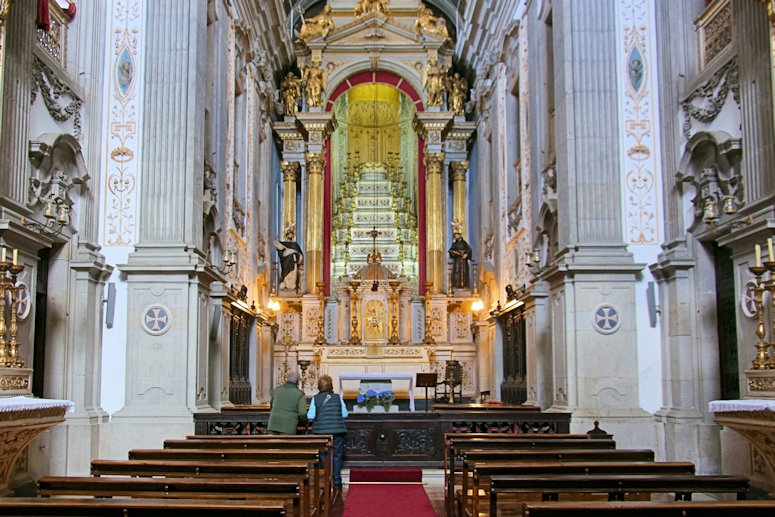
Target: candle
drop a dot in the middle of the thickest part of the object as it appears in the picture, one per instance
(3, 254)
(15, 256)
(769, 248)
(757, 249)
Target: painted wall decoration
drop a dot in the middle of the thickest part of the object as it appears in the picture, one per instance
(606, 319)
(157, 319)
(120, 207)
(641, 210)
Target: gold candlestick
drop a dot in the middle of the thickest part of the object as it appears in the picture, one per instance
(355, 338)
(428, 336)
(4, 283)
(770, 286)
(762, 358)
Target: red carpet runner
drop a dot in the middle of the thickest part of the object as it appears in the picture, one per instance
(387, 492)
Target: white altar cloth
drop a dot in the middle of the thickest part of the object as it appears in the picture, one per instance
(27, 403)
(731, 406)
(386, 376)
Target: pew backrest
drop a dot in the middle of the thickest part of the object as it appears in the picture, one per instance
(650, 509)
(104, 507)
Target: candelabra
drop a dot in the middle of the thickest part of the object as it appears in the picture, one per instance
(394, 339)
(428, 340)
(764, 360)
(9, 349)
(321, 337)
(355, 338)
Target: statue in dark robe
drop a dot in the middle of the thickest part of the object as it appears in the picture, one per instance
(291, 259)
(460, 253)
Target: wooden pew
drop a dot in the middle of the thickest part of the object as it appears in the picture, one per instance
(104, 507)
(482, 472)
(650, 509)
(323, 443)
(615, 485)
(285, 470)
(514, 455)
(172, 488)
(456, 443)
(312, 456)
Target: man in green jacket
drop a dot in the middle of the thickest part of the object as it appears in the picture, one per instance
(288, 407)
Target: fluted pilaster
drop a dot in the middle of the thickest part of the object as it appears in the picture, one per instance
(751, 32)
(19, 35)
(587, 125)
(172, 161)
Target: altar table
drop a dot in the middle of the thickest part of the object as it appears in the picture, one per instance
(21, 420)
(380, 376)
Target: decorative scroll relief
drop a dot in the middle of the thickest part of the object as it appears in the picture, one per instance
(640, 178)
(122, 140)
(705, 103)
(54, 92)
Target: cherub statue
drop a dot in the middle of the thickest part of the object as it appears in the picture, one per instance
(426, 23)
(434, 81)
(314, 84)
(290, 93)
(369, 6)
(319, 25)
(457, 88)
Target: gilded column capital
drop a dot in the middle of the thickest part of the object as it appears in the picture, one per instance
(459, 170)
(290, 170)
(315, 163)
(5, 5)
(434, 162)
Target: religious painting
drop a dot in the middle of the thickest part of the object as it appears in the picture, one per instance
(635, 69)
(125, 70)
(375, 321)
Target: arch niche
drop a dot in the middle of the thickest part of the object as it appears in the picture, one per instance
(375, 179)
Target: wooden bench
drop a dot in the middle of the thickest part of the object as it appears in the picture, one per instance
(456, 443)
(322, 443)
(616, 486)
(286, 470)
(172, 488)
(103, 507)
(650, 509)
(468, 500)
(533, 455)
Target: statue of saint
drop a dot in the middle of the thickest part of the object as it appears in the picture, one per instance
(291, 259)
(319, 25)
(457, 87)
(314, 84)
(290, 93)
(426, 23)
(433, 81)
(460, 253)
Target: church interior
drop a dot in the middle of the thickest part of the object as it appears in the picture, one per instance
(515, 216)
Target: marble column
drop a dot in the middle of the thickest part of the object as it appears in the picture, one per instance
(169, 313)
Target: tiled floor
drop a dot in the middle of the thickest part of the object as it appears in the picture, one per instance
(433, 480)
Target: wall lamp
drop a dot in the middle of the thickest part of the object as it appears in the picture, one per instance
(533, 261)
(229, 261)
(56, 214)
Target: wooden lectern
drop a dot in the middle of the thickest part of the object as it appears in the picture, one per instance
(426, 380)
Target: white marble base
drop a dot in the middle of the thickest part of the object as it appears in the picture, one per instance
(375, 409)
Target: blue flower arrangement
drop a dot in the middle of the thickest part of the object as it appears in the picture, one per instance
(371, 399)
